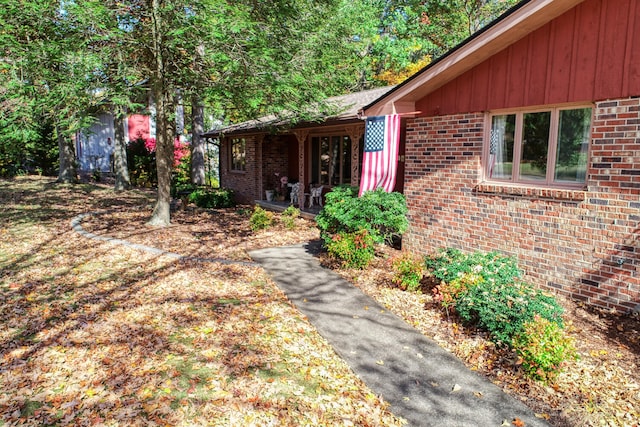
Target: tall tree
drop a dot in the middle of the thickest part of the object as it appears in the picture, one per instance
(243, 56)
(48, 67)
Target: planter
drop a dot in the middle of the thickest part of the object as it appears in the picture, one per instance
(269, 194)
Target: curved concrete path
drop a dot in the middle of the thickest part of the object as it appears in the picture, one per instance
(423, 383)
(76, 224)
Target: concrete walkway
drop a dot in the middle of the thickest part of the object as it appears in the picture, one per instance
(422, 382)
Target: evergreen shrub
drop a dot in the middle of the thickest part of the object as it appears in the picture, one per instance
(260, 219)
(408, 271)
(543, 348)
(354, 250)
(382, 214)
(210, 198)
(289, 217)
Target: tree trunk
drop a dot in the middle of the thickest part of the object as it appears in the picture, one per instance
(197, 142)
(164, 161)
(120, 166)
(67, 158)
(161, 216)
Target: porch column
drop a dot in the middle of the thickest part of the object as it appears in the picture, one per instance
(258, 139)
(301, 136)
(355, 133)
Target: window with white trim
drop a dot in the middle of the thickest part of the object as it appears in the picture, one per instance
(542, 147)
(238, 155)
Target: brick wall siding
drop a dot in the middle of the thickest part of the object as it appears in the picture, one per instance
(271, 153)
(583, 244)
(244, 184)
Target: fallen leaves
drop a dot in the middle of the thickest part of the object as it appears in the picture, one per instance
(600, 389)
(98, 334)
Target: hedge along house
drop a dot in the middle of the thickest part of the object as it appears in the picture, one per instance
(527, 142)
(254, 155)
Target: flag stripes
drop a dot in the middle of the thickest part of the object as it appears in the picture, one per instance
(380, 158)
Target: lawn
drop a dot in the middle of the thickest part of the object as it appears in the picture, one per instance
(100, 334)
(104, 334)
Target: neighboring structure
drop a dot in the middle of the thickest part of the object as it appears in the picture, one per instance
(254, 155)
(94, 147)
(527, 142)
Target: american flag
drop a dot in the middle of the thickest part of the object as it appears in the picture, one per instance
(380, 159)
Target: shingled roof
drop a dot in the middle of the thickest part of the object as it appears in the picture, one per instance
(348, 107)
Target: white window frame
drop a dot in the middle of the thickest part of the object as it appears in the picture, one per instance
(549, 181)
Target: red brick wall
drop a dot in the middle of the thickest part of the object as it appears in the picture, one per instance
(583, 244)
(267, 159)
(243, 183)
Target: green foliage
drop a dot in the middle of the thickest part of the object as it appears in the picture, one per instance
(448, 293)
(486, 291)
(260, 219)
(210, 198)
(141, 164)
(408, 271)
(502, 309)
(543, 348)
(181, 177)
(27, 145)
(289, 217)
(354, 250)
(450, 264)
(382, 214)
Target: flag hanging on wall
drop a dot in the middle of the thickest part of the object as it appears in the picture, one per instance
(380, 159)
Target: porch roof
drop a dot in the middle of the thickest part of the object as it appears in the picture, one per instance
(348, 106)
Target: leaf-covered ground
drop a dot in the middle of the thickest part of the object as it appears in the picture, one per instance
(100, 334)
(95, 333)
(602, 388)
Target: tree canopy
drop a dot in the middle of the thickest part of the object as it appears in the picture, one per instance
(60, 59)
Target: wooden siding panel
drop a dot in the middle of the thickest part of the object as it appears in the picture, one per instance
(481, 73)
(519, 59)
(464, 91)
(632, 84)
(559, 74)
(612, 49)
(498, 79)
(592, 52)
(538, 66)
(584, 70)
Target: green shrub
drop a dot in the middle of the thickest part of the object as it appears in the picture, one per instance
(486, 291)
(448, 293)
(206, 197)
(382, 214)
(543, 348)
(408, 271)
(289, 217)
(355, 250)
(141, 163)
(502, 309)
(260, 219)
(450, 264)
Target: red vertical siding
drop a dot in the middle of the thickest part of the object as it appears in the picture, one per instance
(591, 52)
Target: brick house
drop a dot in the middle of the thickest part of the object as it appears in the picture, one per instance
(525, 139)
(323, 153)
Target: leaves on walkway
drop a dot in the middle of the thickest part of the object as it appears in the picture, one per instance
(101, 334)
(600, 389)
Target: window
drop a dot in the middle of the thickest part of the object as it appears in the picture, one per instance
(540, 147)
(238, 159)
(331, 160)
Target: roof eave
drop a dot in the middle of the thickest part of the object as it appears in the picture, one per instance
(515, 24)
